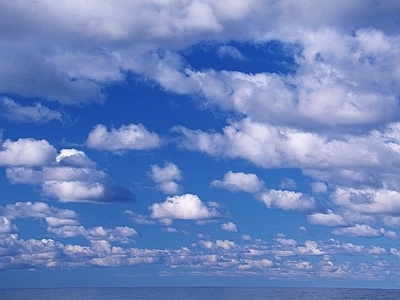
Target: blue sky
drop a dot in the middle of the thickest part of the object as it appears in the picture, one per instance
(199, 143)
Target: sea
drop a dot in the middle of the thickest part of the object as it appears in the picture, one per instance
(197, 293)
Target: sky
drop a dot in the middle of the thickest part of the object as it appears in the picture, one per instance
(200, 142)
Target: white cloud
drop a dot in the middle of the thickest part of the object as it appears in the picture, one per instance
(229, 226)
(167, 173)
(240, 181)
(328, 219)
(287, 200)
(319, 187)
(6, 226)
(70, 177)
(40, 210)
(233, 52)
(187, 207)
(73, 191)
(138, 218)
(26, 152)
(127, 137)
(38, 113)
(368, 201)
(165, 178)
(364, 231)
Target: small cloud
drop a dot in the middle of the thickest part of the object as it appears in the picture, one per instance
(328, 219)
(127, 137)
(288, 183)
(287, 200)
(229, 226)
(319, 188)
(166, 178)
(138, 218)
(236, 182)
(230, 51)
(17, 113)
(364, 231)
(186, 207)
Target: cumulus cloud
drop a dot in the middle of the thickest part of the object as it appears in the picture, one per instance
(17, 113)
(368, 201)
(69, 176)
(328, 219)
(287, 200)
(127, 137)
(186, 207)
(229, 226)
(26, 152)
(364, 231)
(240, 181)
(166, 178)
(41, 210)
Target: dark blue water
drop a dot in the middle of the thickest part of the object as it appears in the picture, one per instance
(197, 293)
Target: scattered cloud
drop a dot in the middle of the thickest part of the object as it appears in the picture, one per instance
(166, 178)
(127, 137)
(186, 207)
(38, 113)
(328, 219)
(229, 226)
(236, 182)
(70, 176)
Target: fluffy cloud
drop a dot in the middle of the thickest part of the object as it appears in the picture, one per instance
(38, 113)
(328, 219)
(166, 178)
(240, 181)
(70, 177)
(41, 210)
(26, 152)
(368, 201)
(287, 200)
(130, 137)
(229, 226)
(186, 207)
(365, 231)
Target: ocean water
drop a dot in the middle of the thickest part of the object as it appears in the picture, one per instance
(197, 293)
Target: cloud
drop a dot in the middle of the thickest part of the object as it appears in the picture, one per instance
(348, 159)
(127, 137)
(364, 231)
(229, 226)
(165, 178)
(186, 207)
(70, 177)
(240, 181)
(40, 210)
(6, 227)
(17, 113)
(26, 152)
(119, 233)
(319, 187)
(230, 51)
(328, 219)
(138, 218)
(287, 200)
(368, 200)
